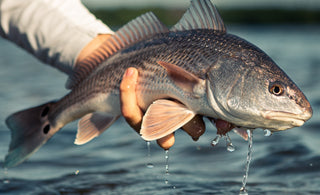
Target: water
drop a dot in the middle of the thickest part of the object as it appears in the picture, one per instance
(267, 132)
(216, 140)
(149, 164)
(115, 163)
(243, 190)
(166, 166)
(230, 147)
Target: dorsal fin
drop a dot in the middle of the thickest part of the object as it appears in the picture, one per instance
(202, 14)
(138, 29)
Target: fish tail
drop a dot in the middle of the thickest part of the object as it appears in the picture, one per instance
(30, 129)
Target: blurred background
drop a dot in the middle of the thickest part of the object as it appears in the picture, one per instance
(115, 163)
(117, 13)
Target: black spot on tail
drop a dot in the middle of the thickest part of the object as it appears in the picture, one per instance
(29, 131)
(46, 129)
(45, 111)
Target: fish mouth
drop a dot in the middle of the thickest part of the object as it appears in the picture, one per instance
(288, 119)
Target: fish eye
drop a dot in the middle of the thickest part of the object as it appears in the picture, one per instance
(276, 89)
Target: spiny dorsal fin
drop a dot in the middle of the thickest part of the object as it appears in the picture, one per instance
(138, 29)
(202, 14)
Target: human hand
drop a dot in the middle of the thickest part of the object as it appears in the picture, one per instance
(133, 114)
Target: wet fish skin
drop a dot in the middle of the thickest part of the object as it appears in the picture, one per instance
(247, 95)
(192, 69)
(229, 58)
(234, 67)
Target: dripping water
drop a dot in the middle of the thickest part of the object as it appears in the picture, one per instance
(5, 178)
(166, 167)
(166, 175)
(149, 164)
(267, 132)
(76, 172)
(216, 140)
(229, 145)
(243, 190)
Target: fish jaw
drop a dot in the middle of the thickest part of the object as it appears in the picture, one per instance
(290, 119)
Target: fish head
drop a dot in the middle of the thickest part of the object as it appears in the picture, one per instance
(249, 90)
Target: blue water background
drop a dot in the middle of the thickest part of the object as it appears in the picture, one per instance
(115, 163)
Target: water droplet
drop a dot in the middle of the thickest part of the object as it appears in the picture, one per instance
(243, 190)
(149, 164)
(230, 146)
(5, 180)
(267, 132)
(216, 140)
(167, 161)
(166, 167)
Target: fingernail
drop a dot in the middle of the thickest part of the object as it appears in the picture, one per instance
(129, 72)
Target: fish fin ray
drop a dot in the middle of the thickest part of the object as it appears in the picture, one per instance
(164, 117)
(202, 14)
(91, 126)
(241, 132)
(138, 29)
(184, 79)
(30, 129)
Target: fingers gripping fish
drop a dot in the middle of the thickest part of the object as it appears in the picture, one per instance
(195, 68)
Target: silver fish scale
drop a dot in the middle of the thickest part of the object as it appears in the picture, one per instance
(193, 50)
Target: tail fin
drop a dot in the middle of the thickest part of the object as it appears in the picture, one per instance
(30, 129)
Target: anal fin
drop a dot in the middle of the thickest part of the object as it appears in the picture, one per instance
(164, 117)
(92, 125)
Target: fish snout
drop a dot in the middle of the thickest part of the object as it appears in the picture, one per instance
(300, 119)
(306, 114)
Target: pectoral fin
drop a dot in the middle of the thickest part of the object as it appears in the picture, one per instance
(184, 79)
(91, 126)
(164, 117)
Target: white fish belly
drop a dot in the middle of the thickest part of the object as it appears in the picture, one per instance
(108, 104)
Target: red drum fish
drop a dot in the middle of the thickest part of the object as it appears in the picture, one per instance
(194, 68)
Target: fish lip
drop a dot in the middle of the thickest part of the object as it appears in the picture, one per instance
(296, 120)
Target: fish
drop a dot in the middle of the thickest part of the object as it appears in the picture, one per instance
(194, 68)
